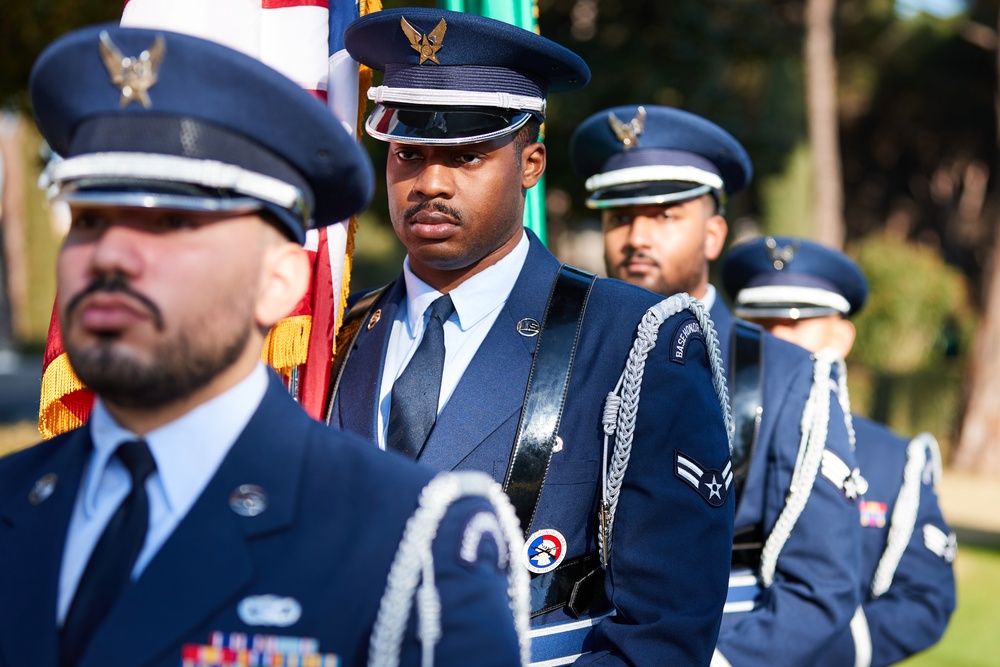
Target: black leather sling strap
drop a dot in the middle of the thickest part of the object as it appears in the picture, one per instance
(748, 407)
(347, 335)
(577, 584)
(545, 395)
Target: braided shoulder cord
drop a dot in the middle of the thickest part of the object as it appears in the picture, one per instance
(934, 450)
(621, 406)
(411, 577)
(809, 458)
(904, 516)
(845, 400)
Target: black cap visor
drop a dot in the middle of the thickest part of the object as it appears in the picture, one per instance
(442, 125)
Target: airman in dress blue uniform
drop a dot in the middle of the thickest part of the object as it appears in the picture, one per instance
(517, 365)
(660, 178)
(201, 517)
(908, 586)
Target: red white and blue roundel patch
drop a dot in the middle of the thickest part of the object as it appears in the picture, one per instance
(712, 485)
(544, 550)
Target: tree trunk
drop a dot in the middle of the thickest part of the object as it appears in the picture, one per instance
(821, 104)
(13, 281)
(979, 441)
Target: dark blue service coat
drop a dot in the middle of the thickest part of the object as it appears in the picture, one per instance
(913, 613)
(335, 516)
(667, 578)
(816, 581)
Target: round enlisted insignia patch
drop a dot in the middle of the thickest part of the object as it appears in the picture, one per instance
(544, 550)
(376, 316)
(248, 500)
(528, 327)
(43, 488)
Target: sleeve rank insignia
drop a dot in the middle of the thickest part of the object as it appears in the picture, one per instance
(712, 485)
(426, 45)
(628, 133)
(133, 76)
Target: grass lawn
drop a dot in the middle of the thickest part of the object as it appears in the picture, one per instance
(971, 639)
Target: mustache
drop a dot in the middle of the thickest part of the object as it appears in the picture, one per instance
(633, 253)
(436, 206)
(115, 282)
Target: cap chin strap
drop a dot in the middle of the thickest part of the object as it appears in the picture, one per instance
(791, 296)
(435, 97)
(175, 169)
(655, 200)
(654, 173)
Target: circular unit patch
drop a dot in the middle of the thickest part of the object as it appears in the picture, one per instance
(544, 550)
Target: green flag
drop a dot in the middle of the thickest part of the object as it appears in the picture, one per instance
(523, 14)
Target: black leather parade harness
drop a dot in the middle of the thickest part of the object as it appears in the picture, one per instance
(748, 407)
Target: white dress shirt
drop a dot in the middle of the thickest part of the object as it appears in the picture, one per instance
(710, 296)
(188, 451)
(478, 302)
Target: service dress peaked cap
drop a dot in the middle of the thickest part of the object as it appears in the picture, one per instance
(792, 278)
(155, 118)
(648, 154)
(455, 78)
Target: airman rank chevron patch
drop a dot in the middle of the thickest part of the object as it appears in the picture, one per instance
(712, 485)
(940, 544)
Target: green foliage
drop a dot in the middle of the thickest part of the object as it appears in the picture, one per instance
(918, 310)
(28, 27)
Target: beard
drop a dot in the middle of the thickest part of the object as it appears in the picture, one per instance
(681, 278)
(176, 368)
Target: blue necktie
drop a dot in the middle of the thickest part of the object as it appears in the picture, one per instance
(414, 402)
(109, 569)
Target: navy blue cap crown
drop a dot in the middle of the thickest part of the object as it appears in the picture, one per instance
(648, 154)
(452, 77)
(155, 118)
(791, 278)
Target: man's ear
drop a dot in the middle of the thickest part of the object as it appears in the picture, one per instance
(532, 164)
(716, 230)
(842, 337)
(285, 273)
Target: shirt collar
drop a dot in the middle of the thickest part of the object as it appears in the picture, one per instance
(710, 296)
(187, 450)
(475, 298)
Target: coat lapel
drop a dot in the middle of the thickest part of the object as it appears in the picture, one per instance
(206, 562)
(492, 388)
(32, 535)
(358, 398)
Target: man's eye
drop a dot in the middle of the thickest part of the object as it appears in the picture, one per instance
(174, 222)
(406, 156)
(469, 158)
(88, 222)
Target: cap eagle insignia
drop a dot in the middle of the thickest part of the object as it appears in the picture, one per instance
(628, 133)
(133, 75)
(426, 45)
(780, 256)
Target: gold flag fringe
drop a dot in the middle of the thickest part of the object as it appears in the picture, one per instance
(287, 343)
(58, 381)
